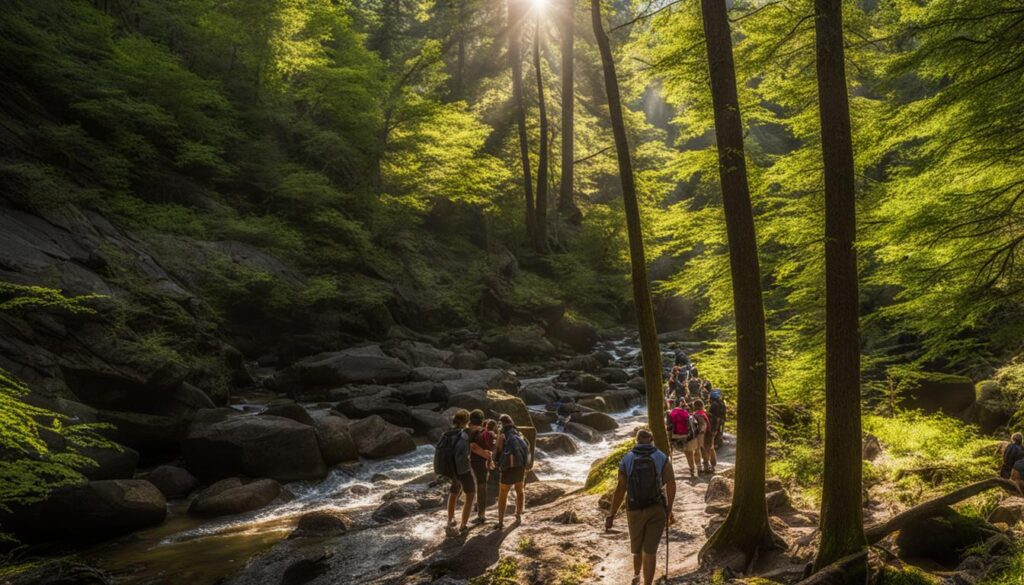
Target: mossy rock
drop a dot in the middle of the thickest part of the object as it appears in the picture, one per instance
(906, 575)
(937, 392)
(943, 539)
(604, 473)
(989, 390)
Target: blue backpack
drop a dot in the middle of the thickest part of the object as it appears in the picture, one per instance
(516, 450)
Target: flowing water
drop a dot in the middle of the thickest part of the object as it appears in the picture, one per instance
(195, 551)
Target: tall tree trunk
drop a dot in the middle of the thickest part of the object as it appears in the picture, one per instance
(842, 517)
(649, 348)
(540, 231)
(746, 528)
(567, 209)
(516, 15)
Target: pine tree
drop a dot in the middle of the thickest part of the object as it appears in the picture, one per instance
(567, 208)
(516, 17)
(650, 350)
(842, 522)
(540, 233)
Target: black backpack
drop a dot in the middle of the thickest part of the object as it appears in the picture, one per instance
(444, 453)
(643, 486)
(515, 451)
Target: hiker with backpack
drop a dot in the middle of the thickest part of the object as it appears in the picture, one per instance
(678, 426)
(716, 413)
(512, 454)
(451, 459)
(647, 483)
(1013, 453)
(693, 439)
(707, 455)
(481, 447)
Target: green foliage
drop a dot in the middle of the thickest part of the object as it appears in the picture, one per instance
(604, 475)
(905, 575)
(30, 467)
(576, 573)
(1006, 571)
(504, 572)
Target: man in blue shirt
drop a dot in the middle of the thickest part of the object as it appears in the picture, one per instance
(646, 476)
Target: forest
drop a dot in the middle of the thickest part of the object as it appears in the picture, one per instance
(263, 261)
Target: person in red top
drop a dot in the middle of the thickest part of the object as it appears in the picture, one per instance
(680, 419)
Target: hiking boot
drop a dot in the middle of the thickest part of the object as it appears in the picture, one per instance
(499, 526)
(478, 520)
(519, 518)
(451, 531)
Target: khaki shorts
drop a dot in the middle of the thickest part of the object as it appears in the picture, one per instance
(694, 445)
(646, 529)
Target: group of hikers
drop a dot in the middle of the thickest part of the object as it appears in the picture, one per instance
(695, 415)
(469, 453)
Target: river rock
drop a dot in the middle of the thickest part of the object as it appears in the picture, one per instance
(364, 365)
(289, 409)
(336, 443)
(590, 384)
(147, 433)
(777, 500)
(539, 393)
(598, 421)
(92, 510)
(556, 443)
(493, 403)
(468, 359)
(376, 438)
(231, 496)
(616, 400)
(542, 493)
(173, 482)
(586, 434)
(321, 524)
(583, 363)
(110, 463)
(719, 490)
(417, 353)
(424, 392)
(518, 344)
(254, 446)
(614, 375)
(1010, 512)
(386, 404)
(425, 421)
(395, 510)
(579, 335)
(542, 420)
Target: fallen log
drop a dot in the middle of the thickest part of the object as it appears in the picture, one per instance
(936, 506)
(842, 572)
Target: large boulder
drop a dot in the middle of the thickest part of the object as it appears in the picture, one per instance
(93, 510)
(422, 392)
(255, 446)
(428, 422)
(719, 490)
(231, 496)
(173, 482)
(148, 433)
(584, 433)
(417, 353)
(493, 403)
(942, 539)
(336, 443)
(989, 390)
(614, 375)
(583, 363)
(376, 438)
(589, 384)
(459, 381)
(542, 493)
(364, 365)
(518, 343)
(990, 414)
(289, 409)
(556, 444)
(616, 400)
(542, 420)
(539, 393)
(114, 463)
(395, 510)
(941, 393)
(386, 404)
(596, 420)
(579, 335)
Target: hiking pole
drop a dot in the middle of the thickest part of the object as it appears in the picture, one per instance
(668, 514)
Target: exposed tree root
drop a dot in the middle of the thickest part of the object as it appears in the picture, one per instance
(842, 572)
(935, 507)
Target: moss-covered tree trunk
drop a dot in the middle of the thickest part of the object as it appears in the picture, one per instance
(567, 209)
(746, 528)
(842, 521)
(516, 16)
(649, 348)
(540, 228)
